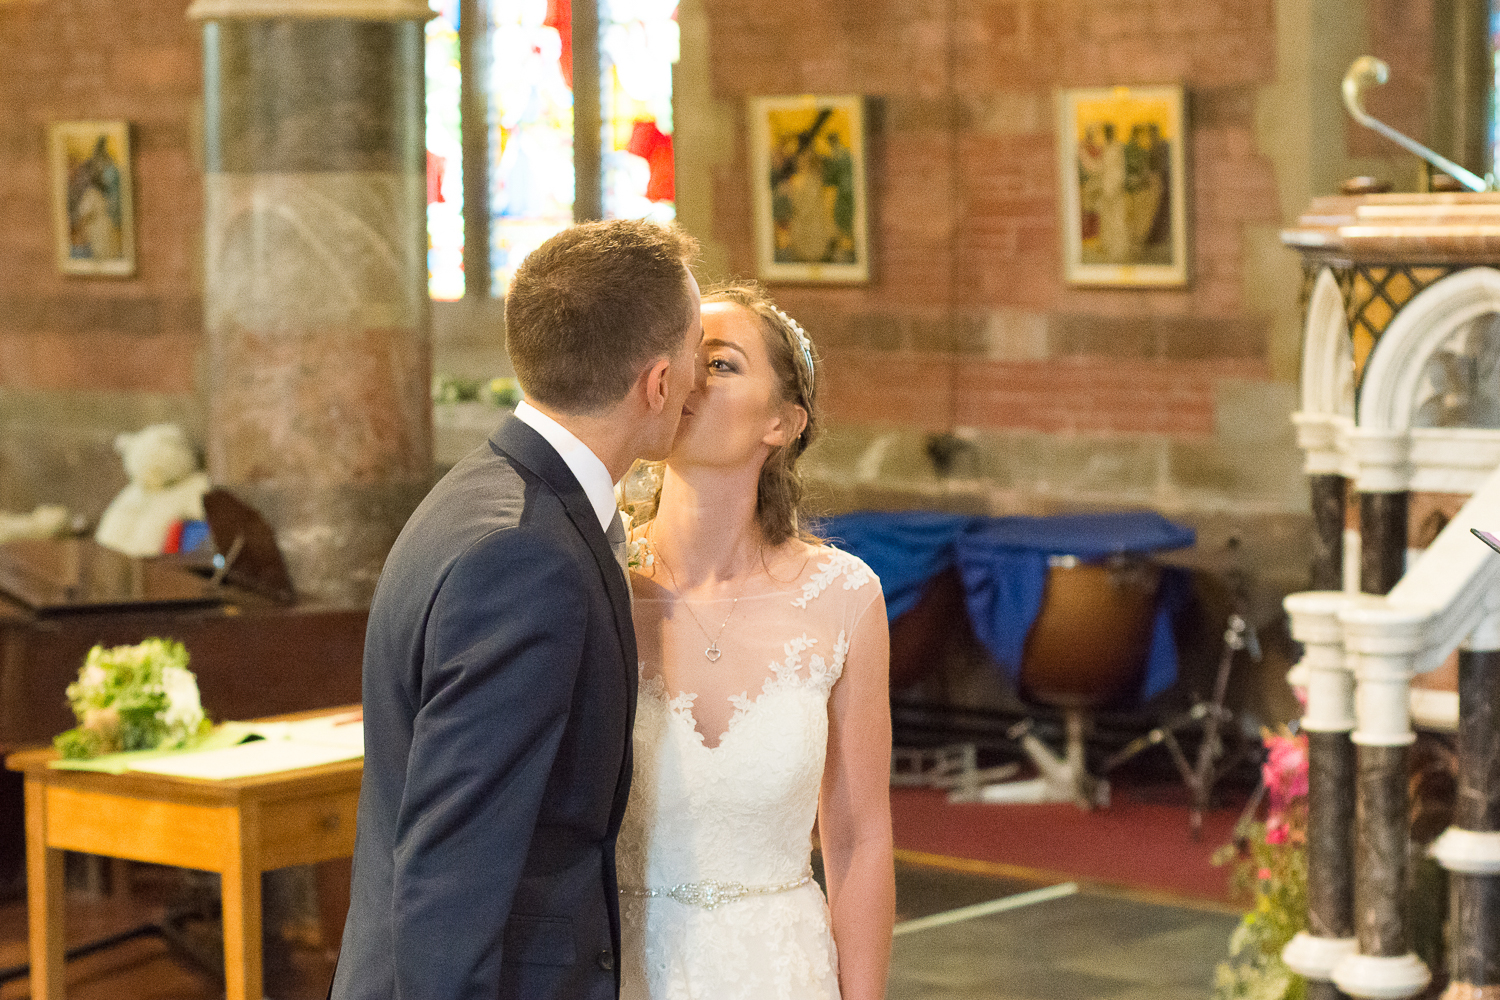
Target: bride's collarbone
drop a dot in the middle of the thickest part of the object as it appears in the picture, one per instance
(779, 570)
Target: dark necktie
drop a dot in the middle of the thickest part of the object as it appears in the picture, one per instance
(615, 535)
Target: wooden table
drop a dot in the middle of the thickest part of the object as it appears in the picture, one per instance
(252, 658)
(238, 828)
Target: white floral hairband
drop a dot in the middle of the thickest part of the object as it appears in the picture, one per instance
(802, 342)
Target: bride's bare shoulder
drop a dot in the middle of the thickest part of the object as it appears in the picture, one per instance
(796, 559)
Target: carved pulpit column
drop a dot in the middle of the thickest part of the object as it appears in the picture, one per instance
(1328, 721)
(315, 291)
(1384, 472)
(1381, 644)
(1321, 438)
(1470, 849)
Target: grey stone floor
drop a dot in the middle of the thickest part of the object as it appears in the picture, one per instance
(1088, 946)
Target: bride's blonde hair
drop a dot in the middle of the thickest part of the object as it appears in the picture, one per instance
(779, 493)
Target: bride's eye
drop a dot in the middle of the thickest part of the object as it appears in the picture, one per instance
(721, 365)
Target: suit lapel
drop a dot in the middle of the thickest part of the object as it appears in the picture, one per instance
(530, 449)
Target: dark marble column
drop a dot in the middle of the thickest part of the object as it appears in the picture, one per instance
(1328, 497)
(315, 276)
(1330, 835)
(1381, 835)
(1328, 721)
(1471, 850)
(1330, 845)
(1380, 851)
(1382, 531)
(1323, 989)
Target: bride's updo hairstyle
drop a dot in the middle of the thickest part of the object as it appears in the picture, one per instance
(779, 494)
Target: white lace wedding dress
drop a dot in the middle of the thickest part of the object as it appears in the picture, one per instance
(717, 900)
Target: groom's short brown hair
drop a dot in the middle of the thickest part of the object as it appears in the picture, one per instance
(592, 307)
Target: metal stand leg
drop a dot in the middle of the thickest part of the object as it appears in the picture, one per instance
(952, 767)
(1212, 762)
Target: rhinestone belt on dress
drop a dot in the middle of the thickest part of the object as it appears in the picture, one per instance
(712, 892)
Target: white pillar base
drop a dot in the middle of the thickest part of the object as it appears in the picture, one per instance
(1467, 851)
(1372, 977)
(1317, 957)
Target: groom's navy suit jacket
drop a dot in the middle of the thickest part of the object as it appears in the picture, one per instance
(499, 697)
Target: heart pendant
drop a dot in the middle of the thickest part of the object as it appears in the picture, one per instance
(712, 652)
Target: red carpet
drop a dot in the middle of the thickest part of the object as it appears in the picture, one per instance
(1137, 844)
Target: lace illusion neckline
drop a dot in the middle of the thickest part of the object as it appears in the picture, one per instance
(786, 676)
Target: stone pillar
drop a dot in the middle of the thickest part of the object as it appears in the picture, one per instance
(1382, 456)
(1470, 849)
(1328, 496)
(315, 292)
(1319, 436)
(1328, 721)
(1382, 529)
(1381, 643)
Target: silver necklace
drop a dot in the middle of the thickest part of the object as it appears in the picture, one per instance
(712, 653)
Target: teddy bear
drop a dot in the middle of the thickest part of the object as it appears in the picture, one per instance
(166, 487)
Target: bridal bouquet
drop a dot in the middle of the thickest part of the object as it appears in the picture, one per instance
(1270, 866)
(140, 697)
(636, 496)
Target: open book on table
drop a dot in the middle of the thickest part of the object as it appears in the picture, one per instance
(245, 749)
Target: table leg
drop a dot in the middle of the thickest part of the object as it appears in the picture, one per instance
(242, 910)
(44, 900)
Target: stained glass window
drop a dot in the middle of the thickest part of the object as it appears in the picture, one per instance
(1494, 107)
(528, 87)
(638, 45)
(445, 181)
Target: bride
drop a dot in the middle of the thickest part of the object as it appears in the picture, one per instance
(763, 706)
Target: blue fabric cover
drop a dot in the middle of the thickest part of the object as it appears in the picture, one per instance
(905, 549)
(1003, 563)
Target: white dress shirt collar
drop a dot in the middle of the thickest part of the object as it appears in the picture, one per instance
(583, 463)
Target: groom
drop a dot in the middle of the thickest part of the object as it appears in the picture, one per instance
(500, 662)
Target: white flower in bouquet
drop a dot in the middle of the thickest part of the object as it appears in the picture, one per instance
(91, 681)
(183, 716)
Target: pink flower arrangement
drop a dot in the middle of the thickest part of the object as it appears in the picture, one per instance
(1270, 872)
(1285, 772)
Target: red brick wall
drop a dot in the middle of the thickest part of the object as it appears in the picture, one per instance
(1401, 34)
(64, 60)
(963, 184)
(961, 168)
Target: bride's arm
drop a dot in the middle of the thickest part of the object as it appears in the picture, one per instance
(854, 811)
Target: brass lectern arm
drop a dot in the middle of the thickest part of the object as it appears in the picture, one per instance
(1367, 70)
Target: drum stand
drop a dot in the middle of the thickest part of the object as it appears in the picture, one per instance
(1212, 762)
(1060, 779)
(954, 767)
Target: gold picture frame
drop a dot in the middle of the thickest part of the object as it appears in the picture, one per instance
(807, 175)
(1122, 176)
(93, 209)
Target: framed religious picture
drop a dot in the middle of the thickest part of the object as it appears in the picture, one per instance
(92, 213)
(1121, 170)
(807, 174)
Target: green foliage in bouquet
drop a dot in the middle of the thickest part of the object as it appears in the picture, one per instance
(1270, 870)
(140, 697)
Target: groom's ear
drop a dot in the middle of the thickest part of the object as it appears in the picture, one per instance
(654, 381)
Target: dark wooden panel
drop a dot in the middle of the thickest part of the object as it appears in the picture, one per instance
(251, 659)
